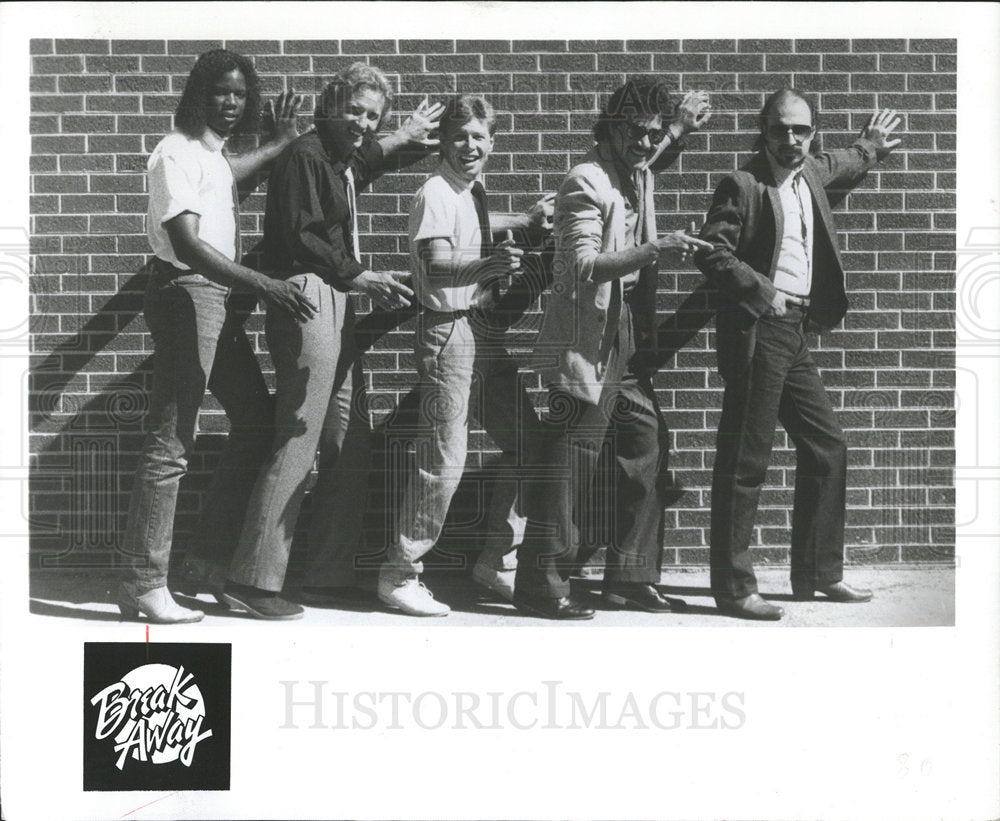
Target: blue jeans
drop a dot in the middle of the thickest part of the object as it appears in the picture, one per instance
(457, 354)
(320, 402)
(199, 342)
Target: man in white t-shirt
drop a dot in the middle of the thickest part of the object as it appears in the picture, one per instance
(455, 274)
(196, 325)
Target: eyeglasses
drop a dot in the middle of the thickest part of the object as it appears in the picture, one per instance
(636, 132)
(777, 131)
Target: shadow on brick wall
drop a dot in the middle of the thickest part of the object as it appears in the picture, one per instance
(79, 488)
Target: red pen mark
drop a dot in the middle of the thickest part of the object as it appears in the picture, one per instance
(147, 634)
(130, 812)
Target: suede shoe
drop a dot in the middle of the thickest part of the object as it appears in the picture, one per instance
(836, 592)
(561, 609)
(639, 596)
(750, 607)
(261, 604)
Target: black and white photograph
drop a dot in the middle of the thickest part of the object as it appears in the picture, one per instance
(480, 378)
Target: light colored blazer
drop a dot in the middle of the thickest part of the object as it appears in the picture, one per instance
(581, 317)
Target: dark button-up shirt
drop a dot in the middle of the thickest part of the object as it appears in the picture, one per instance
(307, 220)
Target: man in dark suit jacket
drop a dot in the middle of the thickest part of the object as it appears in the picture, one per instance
(776, 266)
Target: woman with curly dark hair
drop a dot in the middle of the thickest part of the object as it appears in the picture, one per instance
(196, 321)
(194, 109)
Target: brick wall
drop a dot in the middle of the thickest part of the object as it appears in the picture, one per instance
(99, 107)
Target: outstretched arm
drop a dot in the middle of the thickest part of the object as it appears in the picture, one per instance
(199, 255)
(580, 227)
(537, 220)
(844, 169)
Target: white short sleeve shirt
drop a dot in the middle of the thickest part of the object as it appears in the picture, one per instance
(189, 174)
(444, 208)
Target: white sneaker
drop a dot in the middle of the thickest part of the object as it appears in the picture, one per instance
(410, 596)
(500, 582)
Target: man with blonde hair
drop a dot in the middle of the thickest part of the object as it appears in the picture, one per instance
(456, 272)
(311, 240)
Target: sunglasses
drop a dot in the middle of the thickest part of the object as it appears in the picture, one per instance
(777, 131)
(636, 132)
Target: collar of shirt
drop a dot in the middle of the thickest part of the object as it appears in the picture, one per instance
(782, 176)
(454, 179)
(211, 140)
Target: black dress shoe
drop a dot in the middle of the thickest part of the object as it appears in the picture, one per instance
(838, 592)
(750, 607)
(639, 596)
(563, 609)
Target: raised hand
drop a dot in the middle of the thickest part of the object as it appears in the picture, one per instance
(289, 298)
(879, 128)
(281, 120)
(387, 289)
(692, 112)
(418, 126)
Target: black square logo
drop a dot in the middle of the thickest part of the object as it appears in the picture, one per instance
(156, 716)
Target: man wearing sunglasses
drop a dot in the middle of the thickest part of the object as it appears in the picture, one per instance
(598, 321)
(776, 266)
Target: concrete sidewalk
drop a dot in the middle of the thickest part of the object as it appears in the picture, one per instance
(905, 596)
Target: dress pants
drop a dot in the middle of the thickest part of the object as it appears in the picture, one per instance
(780, 383)
(320, 402)
(456, 354)
(630, 430)
(198, 341)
